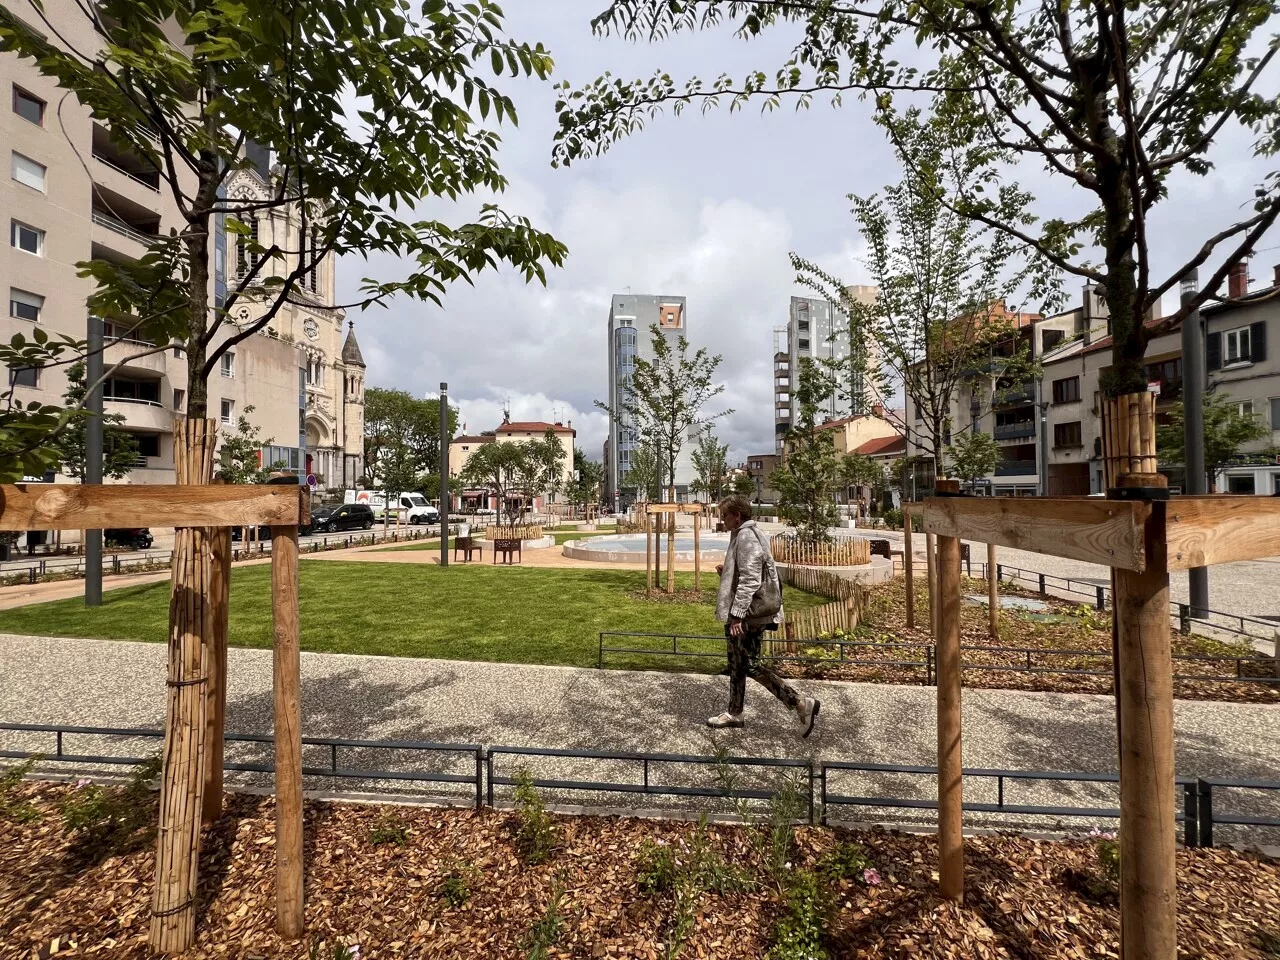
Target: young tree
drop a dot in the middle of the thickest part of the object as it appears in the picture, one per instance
(643, 475)
(550, 456)
(401, 439)
(504, 468)
(1226, 430)
(860, 471)
(588, 478)
(940, 320)
(973, 456)
(119, 449)
(711, 465)
(240, 453)
(668, 394)
(743, 485)
(810, 467)
(1112, 98)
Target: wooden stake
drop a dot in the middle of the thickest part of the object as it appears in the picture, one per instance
(286, 672)
(950, 753)
(908, 569)
(697, 556)
(172, 928)
(993, 593)
(931, 574)
(671, 550)
(648, 557)
(220, 589)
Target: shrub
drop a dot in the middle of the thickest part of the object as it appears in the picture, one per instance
(656, 868)
(13, 807)
(388, 829)
(536, 837)
(798, 935)
(341, 951)
(111, 817)
(455, 888)
(847, 861)
(545, 932)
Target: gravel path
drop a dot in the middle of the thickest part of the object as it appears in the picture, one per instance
(120, 684)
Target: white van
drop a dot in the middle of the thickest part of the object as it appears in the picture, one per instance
(412, 507)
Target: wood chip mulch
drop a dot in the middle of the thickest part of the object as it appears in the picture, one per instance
(1024, 898)
(1072, 627)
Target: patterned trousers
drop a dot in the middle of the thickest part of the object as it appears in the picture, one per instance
(744, 661)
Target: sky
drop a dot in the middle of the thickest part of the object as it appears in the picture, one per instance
(704, 206)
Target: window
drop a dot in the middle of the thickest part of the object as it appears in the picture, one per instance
(804, 344)
(132, 391)
(242, 247)
(315, 371)
(179, 400)
(27, 172)
(1237, 346)
(1275, 413)
(313, 280)
(24, 305)
(26, 237)
(228, 411)
(1066, 390)
(24, 376)
(804, 324)
(179, 353)
(1067, 434)
(148, 444)
(1245, 408)
(1241, 484)
(28, 106)
(227, 364)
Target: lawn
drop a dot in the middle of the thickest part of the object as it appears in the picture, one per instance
(472, 612)
(561, 539)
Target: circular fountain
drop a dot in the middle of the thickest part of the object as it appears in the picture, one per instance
(630, 548)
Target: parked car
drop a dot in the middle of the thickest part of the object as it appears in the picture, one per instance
(137, 538)
(238, 533)
(347, 516)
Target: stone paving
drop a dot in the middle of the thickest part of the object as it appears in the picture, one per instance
(121, 684)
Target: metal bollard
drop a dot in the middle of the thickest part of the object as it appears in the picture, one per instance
(1204, 813)
(1101, 601)
(1184, 619)
(1042, 590)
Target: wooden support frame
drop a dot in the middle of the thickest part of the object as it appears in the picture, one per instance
(993, 593)
(660, 511)
(73, 506)
(287, 686)
(909, 512)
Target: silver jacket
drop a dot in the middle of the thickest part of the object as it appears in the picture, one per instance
(744, 564)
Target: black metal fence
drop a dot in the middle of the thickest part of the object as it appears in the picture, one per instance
(1206, 802)
(1032, 660)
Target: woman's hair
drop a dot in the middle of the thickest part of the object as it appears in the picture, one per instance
(740, 506)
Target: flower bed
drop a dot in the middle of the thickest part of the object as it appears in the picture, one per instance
(420, 882)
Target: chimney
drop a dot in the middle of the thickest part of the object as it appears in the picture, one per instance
(1238, 280)
(1276, 282)
(877, 410)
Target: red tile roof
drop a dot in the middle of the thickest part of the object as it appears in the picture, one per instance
(534, 426)
(482, 438)
(882, 445)
(1156, 327)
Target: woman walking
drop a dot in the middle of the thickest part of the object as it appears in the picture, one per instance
(750, 602)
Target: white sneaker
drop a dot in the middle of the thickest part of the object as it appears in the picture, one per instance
(725, 720)
(807, 713)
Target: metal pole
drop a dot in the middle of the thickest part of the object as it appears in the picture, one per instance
(1193, 384)
(93, 462)
(444, 474)
(1042, 448)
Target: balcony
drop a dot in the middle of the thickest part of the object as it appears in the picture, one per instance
(1015, 431)
(122, 229)
(1016, 468)
(122, 350)
(140, 414)
(1014, 396)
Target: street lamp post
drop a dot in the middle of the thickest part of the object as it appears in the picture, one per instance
(93, 461)
(1193, 384)
(444, 474)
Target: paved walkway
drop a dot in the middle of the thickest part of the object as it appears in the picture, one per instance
(105, 683)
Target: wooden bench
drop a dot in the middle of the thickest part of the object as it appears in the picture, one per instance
(510, 550)
(467, 546)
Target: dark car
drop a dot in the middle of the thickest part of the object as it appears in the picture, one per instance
(138, 538)
(238, 533)
(348, 516)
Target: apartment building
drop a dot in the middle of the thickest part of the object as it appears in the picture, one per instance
(631, 316)
(72, 195)
(463, 447)
(1243, 367)
(815, 330)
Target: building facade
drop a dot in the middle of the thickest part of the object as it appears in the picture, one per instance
(631, 316)
(464, 446)
(72, 194)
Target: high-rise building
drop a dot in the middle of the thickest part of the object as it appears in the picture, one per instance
(631, 318)
(73, 194)
(817, 330)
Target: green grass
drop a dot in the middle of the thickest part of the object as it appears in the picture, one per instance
(473, 612)
(560, 538)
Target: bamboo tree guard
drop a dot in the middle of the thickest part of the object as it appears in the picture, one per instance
(192, 609)
(217, 712)
(931, 575)
(1141, 538)
(193, 509)
(946, 621)
(908, 561)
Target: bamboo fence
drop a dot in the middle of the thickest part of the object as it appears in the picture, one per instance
(844, 552)
(523, 531)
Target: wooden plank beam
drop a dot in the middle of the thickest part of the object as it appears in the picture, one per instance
(1108, 532)
(1202, 531)
(74, 506)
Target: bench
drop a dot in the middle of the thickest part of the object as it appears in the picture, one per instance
(510, 550)
(467, 546)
